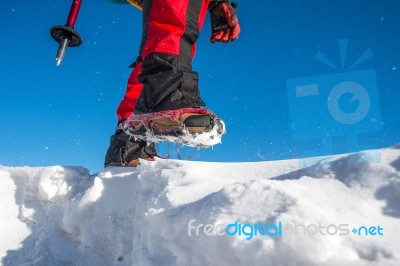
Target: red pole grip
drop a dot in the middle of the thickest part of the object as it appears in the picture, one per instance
(73, 13)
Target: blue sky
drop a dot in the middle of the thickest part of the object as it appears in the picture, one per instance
(65, 115)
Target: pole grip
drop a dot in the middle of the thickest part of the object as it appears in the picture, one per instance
(73, 13)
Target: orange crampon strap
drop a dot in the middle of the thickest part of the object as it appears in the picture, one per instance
(135, 3)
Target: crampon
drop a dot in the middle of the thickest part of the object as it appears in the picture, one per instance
(193, 127)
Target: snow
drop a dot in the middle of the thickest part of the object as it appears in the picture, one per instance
(172, 212)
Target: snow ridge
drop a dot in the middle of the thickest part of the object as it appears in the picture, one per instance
(157, 214)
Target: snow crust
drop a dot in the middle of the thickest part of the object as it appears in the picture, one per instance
(167, 212)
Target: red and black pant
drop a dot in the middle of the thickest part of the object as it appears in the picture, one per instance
(163, 78)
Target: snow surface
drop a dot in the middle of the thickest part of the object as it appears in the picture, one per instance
(140, 216)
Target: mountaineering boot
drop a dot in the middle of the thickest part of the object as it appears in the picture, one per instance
(126, 151)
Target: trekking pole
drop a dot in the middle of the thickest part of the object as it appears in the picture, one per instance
(66, 35)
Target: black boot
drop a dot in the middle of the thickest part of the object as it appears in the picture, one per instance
(125, 151)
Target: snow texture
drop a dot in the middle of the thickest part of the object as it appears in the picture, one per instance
(143, 216)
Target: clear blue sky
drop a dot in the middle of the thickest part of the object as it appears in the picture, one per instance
(65, 115)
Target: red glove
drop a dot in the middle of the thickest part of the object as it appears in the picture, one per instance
(224, 23)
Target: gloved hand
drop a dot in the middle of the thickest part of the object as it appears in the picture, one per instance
(224, 23)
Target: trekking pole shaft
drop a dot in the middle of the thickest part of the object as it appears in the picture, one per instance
(66, 35)
(73, 13)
